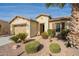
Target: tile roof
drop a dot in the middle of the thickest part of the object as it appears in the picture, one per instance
(60, 18)
(22, 18)
(44, 15)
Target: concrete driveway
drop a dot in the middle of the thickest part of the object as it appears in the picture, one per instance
(5, 40)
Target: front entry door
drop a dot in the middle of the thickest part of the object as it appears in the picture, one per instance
(41, 28)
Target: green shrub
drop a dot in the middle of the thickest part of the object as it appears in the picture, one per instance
(64, 33)
(44, 35)
(54, 48)
(51, 32)
(32, 47)
(14, 38)
(22, 36)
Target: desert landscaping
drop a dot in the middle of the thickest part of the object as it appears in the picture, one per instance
(8, 50)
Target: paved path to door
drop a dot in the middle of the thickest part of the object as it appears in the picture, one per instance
(5, 40)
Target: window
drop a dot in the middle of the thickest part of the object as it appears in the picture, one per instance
(58, 27)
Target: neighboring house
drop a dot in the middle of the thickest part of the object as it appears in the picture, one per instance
(4, 28)
(41, 24)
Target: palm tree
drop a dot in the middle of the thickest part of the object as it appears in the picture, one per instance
(73, 35)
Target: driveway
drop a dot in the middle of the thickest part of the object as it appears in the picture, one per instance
(5, 40)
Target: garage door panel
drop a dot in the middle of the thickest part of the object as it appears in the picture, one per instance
(20, 29)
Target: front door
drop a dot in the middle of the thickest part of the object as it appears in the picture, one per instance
(41, 28)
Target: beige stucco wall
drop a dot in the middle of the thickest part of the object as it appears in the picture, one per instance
(5, 28)
(43, 19)
(18, 21)
(51, 25)
(67, 24)
(33, 28)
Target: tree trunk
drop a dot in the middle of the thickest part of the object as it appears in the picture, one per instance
(73, 35)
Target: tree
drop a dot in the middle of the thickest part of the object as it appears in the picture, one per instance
(73, 35)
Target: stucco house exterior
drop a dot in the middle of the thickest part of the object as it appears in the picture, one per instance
(4, 28)
(41, 24)
(46, 22)
(23, 25)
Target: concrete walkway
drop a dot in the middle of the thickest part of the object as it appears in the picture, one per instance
(5, 40)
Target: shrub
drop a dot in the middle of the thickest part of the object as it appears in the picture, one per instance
(44, 35)
(32, 47)
(22, 36)
(64, 33)
(54, 48)
(51, 32)
(14, 38)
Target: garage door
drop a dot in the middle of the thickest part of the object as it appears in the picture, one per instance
(20, 29)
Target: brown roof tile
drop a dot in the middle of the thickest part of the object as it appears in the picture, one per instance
(60, 19)
(22, 18)
(44, 15)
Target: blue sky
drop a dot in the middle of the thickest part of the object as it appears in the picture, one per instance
(30, 10)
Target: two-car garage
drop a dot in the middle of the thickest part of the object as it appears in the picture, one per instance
(20, 29)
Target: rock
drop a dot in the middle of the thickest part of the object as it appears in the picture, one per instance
(77, 47)
(15, 47)
(50, 54)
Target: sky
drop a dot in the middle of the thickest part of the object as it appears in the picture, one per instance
(31, 10)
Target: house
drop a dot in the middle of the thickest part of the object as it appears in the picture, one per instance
(23, 25)
(4, 28)
(41, 24)
(45, 22)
